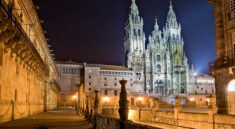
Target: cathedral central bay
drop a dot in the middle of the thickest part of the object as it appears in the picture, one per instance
(161, 68)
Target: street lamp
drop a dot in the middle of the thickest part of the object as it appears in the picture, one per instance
(75, 101)
(139, 100)
(191, 99)
(106, 99)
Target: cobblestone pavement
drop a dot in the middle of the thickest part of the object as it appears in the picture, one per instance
(59, 119)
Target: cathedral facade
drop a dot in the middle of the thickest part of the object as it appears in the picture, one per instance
(162, 68)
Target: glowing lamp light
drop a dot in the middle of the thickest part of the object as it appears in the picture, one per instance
(106, 99)
(192, 99)
(74, 97)
(195, 74)
(231, 86)
(140, 98)
(131, 114)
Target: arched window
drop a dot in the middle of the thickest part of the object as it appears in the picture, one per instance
(147, 69)
(160, 83)
(231, 86)
(158, 57)
(155, 89)
(139, 32)
(156, 82)
(158, 68)
(169, 84)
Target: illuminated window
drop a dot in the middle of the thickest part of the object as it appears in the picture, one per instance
(158, 58)
(159, 68)
(115, 93)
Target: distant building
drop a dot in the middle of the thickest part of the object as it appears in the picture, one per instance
(70, 79)
(204, 85)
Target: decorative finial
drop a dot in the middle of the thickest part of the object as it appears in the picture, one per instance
(170, 4)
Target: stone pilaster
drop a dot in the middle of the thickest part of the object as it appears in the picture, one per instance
(222, 78)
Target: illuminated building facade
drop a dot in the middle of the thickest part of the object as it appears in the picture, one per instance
(224, 66)
(162, 68)
(70, 80)
(28, 75)
(204, 85)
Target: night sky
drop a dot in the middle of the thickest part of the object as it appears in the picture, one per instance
(93, 30)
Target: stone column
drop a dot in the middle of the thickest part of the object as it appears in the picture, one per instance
(177, 108)
(79, 100)
(13, 110)
(212, 110)
(87, 109)
(96, 103)
(123, 102)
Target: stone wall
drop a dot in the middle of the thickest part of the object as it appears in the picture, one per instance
(103, 122)
(171, 119)
(28, 76)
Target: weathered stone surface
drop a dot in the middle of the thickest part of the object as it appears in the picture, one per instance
(28, 76)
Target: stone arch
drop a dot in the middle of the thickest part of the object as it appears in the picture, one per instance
(231, 86)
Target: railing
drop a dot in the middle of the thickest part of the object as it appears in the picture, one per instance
(231, 15)
(7, 11)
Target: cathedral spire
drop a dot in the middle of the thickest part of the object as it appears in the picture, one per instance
(171, 17)
(134, 8)
(156, 27)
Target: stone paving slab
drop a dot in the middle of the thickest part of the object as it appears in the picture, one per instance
(58, 119)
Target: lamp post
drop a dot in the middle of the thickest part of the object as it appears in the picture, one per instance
(139, 100)
(75, 101)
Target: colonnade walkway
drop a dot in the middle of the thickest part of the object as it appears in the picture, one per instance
(58, 119)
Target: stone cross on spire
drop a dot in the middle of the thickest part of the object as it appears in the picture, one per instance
(170, 3)
(134, 8)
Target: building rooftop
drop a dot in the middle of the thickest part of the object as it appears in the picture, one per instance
(102, 66)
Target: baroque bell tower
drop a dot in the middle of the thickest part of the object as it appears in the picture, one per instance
(135, 45)
(135, 40)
